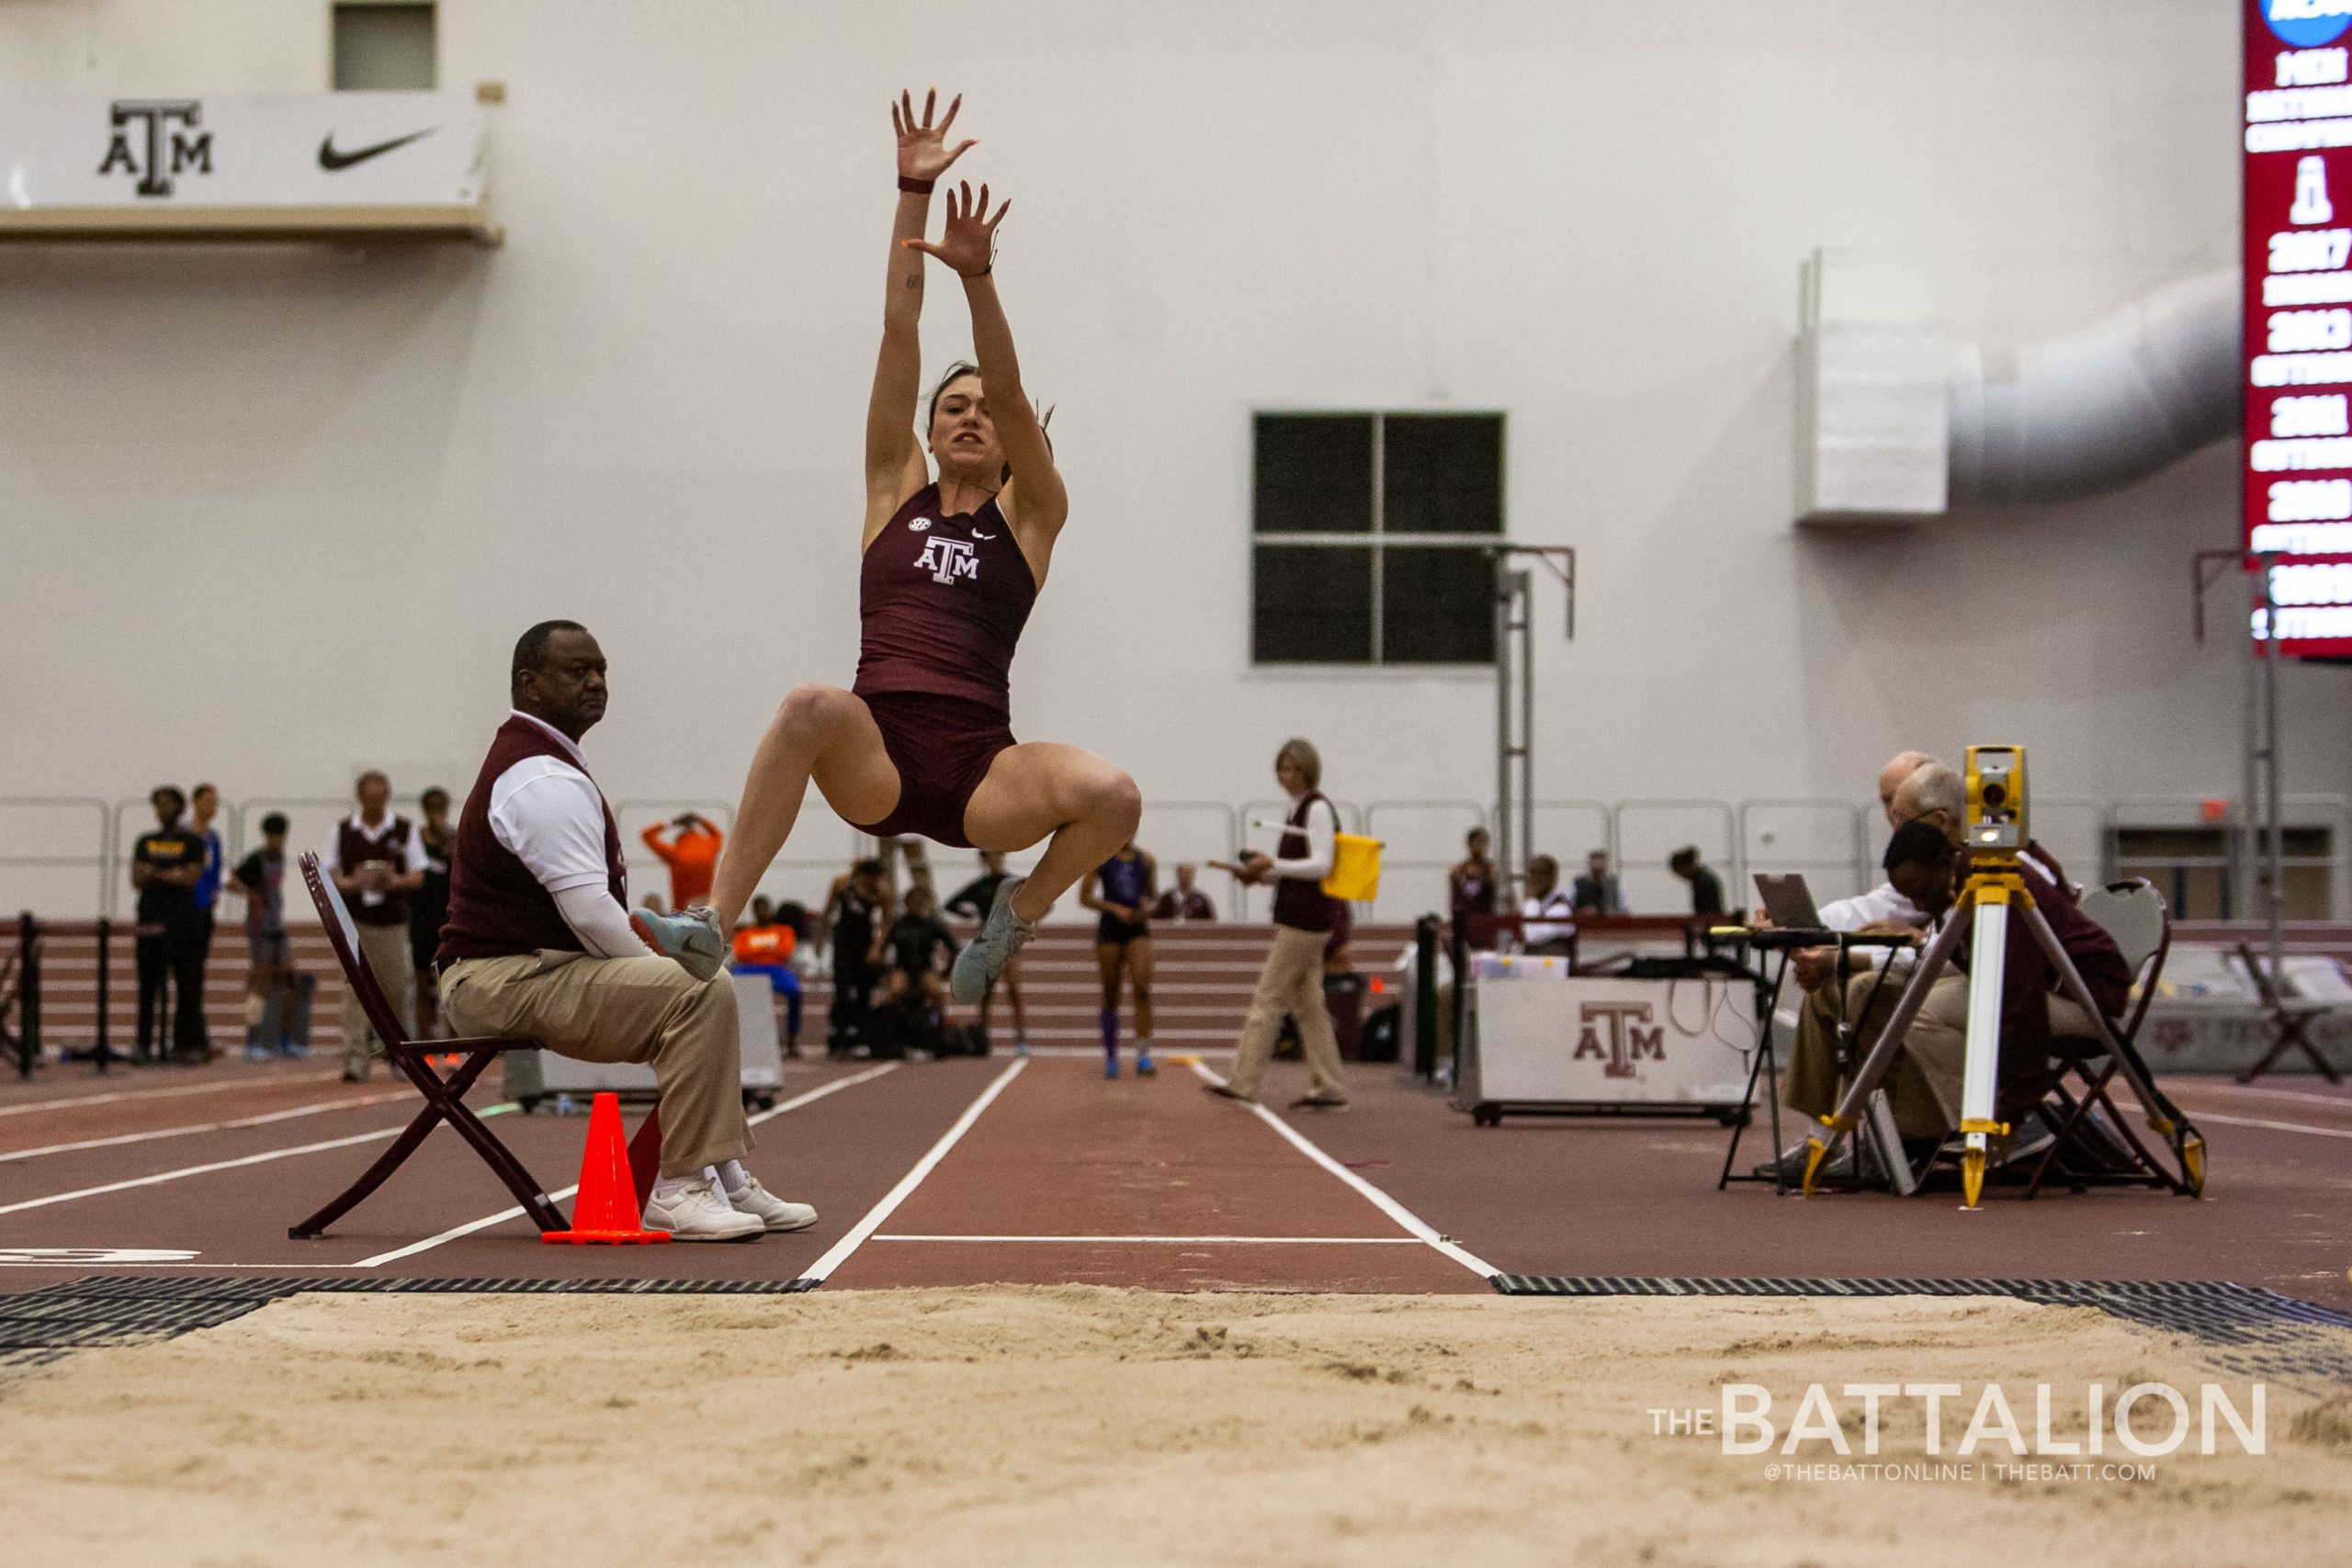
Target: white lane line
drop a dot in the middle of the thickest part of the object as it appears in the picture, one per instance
(256, 1080)
(1379, 1200)
(2216, 1117)
(1187, 1240)
(2341, 1102)
(500, 1218)
(823, 1268)
(314, 1108)
(162, 1177)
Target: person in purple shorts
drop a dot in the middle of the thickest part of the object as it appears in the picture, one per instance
(922, 742)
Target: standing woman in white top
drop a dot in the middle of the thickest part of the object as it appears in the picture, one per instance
(1292, 981)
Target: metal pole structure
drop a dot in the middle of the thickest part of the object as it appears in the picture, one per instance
(1514, 726)
(1515, 701)
(2245, 874)
(2273, 863)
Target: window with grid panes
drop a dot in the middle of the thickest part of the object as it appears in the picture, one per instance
(1369, 534)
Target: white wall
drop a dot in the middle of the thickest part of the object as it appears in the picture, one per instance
(271, 516)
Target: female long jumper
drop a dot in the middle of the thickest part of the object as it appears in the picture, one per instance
(922, 743)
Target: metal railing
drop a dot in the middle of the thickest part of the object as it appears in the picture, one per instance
(50, 845)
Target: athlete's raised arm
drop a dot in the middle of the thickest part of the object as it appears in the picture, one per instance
(1040, 504)
(894, 462)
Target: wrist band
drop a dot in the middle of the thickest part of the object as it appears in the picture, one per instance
(914, 187)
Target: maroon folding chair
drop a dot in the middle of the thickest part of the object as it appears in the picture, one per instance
(445, 1098)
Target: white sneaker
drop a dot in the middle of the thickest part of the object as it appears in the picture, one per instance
(771, 1210)
(695, 1212)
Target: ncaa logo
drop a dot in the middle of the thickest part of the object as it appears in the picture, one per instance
(2305, 23)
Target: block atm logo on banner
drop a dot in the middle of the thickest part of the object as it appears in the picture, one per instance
(2307, 22)
(1631, 1036)
(157, 140)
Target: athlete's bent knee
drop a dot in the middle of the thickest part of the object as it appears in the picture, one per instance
(1112, 799)
(815, 713)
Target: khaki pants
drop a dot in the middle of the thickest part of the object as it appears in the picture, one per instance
(1928, 1076)
(386, 950)
(1939, 1041)
(1292, 982)
(623, 1010)
(1810, 1083)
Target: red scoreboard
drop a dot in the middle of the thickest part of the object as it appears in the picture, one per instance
(2298, 231)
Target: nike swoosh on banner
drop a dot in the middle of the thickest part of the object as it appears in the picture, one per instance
(330, 159)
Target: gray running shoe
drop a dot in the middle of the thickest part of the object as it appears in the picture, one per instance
(692, 937)
(984, 958)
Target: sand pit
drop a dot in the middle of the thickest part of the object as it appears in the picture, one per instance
(1082, 1425)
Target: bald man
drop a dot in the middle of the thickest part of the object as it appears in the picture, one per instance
(1883, 902)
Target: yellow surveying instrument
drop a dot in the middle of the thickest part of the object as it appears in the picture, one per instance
(1996, 832)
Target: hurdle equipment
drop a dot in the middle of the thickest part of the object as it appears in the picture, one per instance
(1997, 835)
(609, 1211)
(445, 1098)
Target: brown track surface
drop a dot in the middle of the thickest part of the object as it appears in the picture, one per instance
(1063, 1153)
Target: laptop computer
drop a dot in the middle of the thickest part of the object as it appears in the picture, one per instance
(1788, 901)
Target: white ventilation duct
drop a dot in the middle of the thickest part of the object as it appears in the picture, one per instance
(2099, 408)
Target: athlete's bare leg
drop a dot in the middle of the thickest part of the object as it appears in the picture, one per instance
(821, 733)
(1085, 805)
(1139, 983)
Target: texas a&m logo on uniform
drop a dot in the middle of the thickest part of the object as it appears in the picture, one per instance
(947, 559)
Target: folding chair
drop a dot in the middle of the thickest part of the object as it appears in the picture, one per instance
(443, 1096)
(2290, 1017)
(2105, 1152)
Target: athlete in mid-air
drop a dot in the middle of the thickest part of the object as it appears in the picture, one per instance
(922, 742)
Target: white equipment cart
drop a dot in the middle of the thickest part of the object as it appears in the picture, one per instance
(1540, 1041)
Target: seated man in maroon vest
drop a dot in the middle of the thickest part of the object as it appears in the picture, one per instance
(538, 943)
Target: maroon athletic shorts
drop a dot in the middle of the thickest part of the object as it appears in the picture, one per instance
(942, 747)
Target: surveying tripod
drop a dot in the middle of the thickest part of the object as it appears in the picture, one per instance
(1996, 884)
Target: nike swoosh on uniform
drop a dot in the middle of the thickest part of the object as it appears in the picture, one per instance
(330, 159)
(978, 535)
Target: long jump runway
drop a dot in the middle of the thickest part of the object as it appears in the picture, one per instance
(954, 1172)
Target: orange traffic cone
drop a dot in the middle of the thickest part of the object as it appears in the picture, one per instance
(606, 1211)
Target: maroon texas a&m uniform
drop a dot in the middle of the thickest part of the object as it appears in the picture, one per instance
(942, 600)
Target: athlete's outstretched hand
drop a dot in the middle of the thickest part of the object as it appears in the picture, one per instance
(968, 243)
(924, 153)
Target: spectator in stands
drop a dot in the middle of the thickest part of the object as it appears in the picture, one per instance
(919, 948)
(764, 946)
(1550, 929)
(165, 866)
(972, 902)
(858, 911)
(1597, 892)
(260, 879)
(690, 850)
(428, 907)
(1706, 888)
(1185, 901)
(1474, 884)
(377, 862)
(203, 809)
